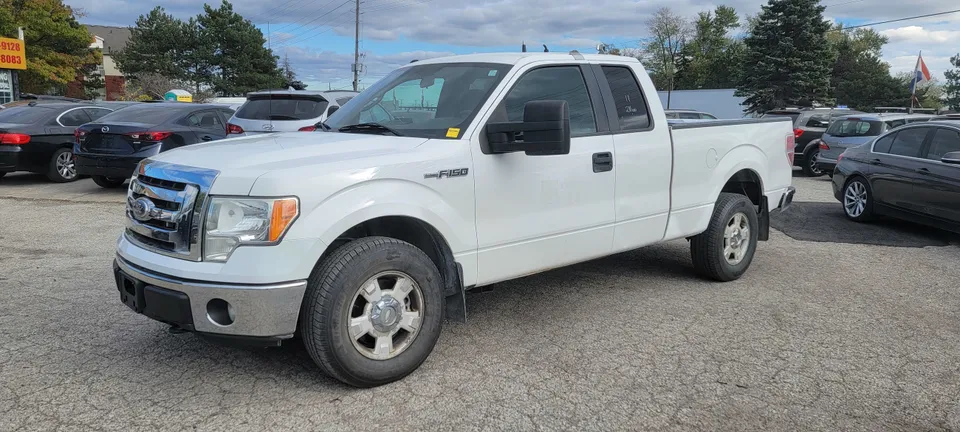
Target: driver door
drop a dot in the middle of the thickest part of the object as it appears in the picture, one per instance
(540, 212)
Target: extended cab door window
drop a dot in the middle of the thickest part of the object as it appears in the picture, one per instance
(631, 106)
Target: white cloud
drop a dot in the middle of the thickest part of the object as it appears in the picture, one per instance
(917, 34)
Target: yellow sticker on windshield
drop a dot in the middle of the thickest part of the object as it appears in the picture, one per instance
(453, 132)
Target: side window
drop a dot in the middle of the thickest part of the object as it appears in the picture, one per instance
(895, 123)
(554, 83)
(96, 113)
(944, 141)
(343, 101)
(819, 121)
(205, 120)
(707, 116)
(74, 118)
(631, 105)
(332, 109)
(883, 144)
(671, 115)
(909, 141)
(688, 116)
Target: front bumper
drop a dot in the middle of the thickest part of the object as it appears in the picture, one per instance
(260, 313)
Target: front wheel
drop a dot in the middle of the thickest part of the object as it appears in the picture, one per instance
(810, 166)
(725, 250)
(109, 182)
(372, 311)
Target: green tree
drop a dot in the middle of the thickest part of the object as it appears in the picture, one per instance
(57, 46)
(242, 63)
(788, 59)
(711, 58)
(669, 33)
(860, 78)
(197, 64)
(951, 89)
(156, 46)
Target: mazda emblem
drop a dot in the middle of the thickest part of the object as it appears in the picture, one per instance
(105, 129)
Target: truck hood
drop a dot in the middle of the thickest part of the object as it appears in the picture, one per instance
(241, 161)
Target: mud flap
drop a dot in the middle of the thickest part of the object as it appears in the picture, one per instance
(455, 298)
(763, 217)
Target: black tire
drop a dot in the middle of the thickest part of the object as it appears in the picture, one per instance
(62, 174)
(328, 306)
(109, 182)
(810, 167)
(707, 248)
(866, 214)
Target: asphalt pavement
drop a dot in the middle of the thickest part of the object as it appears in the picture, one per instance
(816, 336)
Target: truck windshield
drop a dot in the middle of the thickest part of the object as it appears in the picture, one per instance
(426, 101)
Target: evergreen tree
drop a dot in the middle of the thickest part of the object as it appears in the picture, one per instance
(952, 87)
(156, 46)
(788, 59)
(243, 63)
(711, 59)
(861, 79)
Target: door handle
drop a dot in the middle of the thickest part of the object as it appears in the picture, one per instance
(602, 162)
(875, 162)
(923, 171)
(207, 138)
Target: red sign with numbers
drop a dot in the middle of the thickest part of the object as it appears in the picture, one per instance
(12, 54)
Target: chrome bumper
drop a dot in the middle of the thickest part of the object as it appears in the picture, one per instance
(258, 310)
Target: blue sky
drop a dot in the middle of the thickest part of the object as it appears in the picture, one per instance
(317, 35)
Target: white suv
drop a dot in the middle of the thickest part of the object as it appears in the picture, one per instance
(285, 111)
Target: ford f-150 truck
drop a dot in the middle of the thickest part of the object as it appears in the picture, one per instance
(446, 175)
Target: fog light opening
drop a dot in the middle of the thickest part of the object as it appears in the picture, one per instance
(220, 312)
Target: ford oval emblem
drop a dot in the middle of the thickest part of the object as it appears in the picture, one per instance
(105, 129)
(142, 209)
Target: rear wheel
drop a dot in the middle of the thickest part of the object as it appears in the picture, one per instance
(62, 168)
(109, 182)
(725, 250)
(810, 166)
(372, 311)
(858, 200)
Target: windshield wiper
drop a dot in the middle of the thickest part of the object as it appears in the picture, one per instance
(323, 125)
(368, 127)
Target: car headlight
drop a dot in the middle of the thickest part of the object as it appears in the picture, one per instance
(234, 222)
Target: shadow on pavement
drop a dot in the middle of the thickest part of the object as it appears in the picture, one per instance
(825, 222)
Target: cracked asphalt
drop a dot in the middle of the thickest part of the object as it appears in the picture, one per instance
(816, 336)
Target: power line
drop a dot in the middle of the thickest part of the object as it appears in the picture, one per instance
(298, 36)
(901, 19)
(300, 22)
(309, 34)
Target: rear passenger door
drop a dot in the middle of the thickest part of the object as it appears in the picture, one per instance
(895, 164)
(207, 125)
(539, 212)
(643, 160)
(938, 185)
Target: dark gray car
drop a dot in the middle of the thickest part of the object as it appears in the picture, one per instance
(853, 131)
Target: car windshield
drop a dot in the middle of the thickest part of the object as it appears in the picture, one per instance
(855, 127)
(427, 101)
(283, 107)
(23, 115)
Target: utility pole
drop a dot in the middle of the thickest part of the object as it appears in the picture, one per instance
(356, 50)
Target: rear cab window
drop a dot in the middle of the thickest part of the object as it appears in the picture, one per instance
(282, 107)
(631, 105)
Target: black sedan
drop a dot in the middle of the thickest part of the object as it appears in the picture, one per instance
(910, 173)
(38, 137)
(110, 149)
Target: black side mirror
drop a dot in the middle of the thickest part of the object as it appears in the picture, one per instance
(545, 131)
(952, 158)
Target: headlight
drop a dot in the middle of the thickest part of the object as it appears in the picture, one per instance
(233, 222)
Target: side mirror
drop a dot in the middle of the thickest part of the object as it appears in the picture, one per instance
(952, 158)
(545, 130)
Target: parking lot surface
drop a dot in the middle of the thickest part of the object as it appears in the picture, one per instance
(816, 336)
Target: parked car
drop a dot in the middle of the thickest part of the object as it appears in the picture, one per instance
(110, 149)
(852, 131)
(809, 124)
(38, 137)
(362, 238)
(911, 173)
(684, 114)
(286, 111)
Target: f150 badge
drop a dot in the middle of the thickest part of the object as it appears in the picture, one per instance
(447, 173)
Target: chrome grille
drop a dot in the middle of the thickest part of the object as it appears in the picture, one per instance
(165, 205)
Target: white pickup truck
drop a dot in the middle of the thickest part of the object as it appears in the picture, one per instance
(446, 175)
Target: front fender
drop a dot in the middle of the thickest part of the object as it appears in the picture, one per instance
(392, 197)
